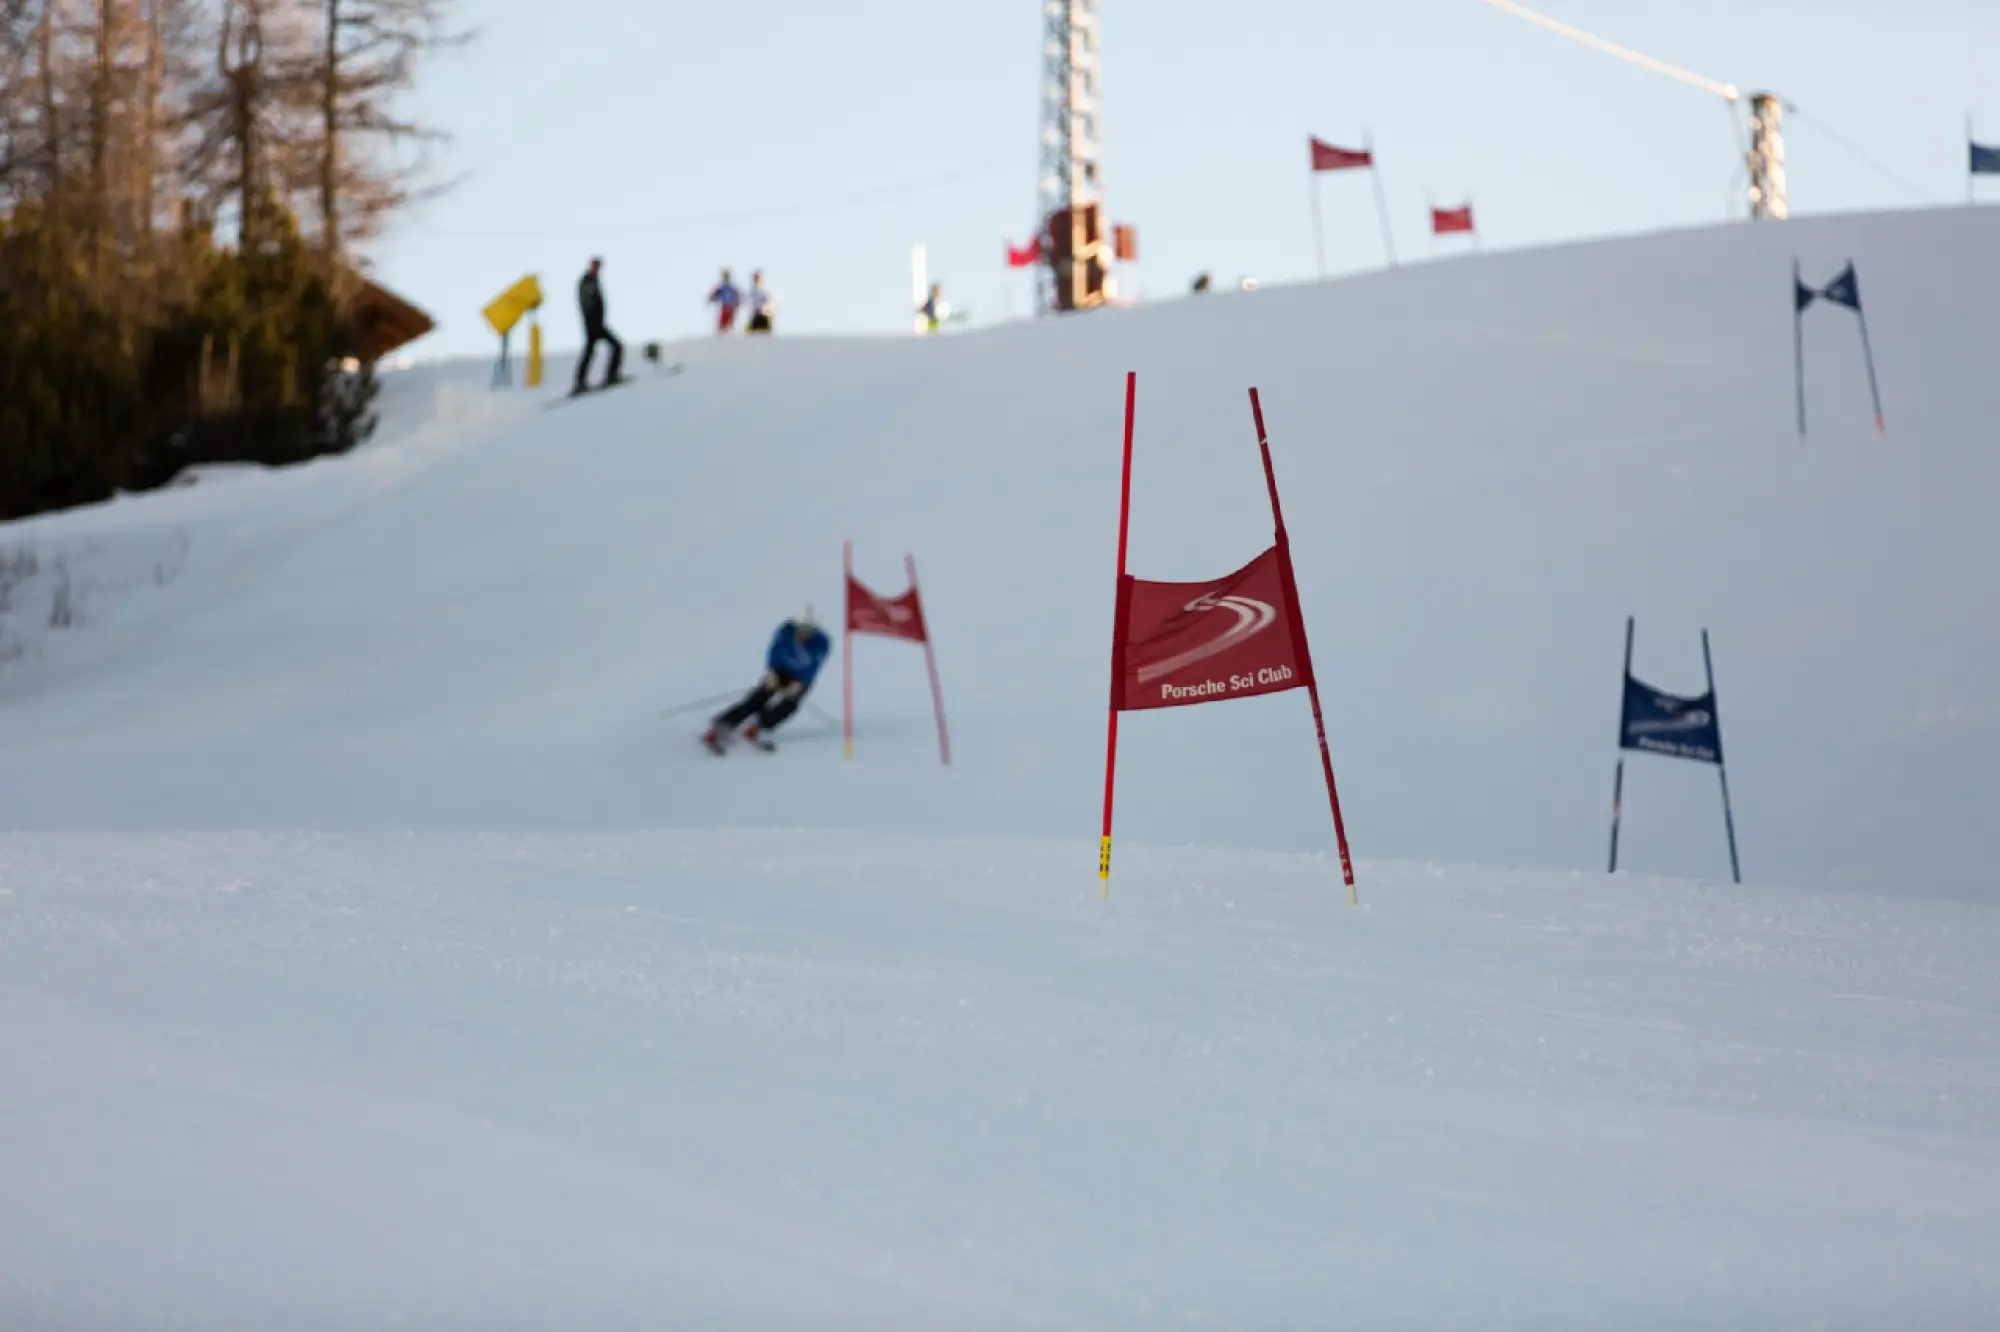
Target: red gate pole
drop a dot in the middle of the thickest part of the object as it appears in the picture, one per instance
(1117, 638)
(1304, 652)
(930, 659)
(847, 650)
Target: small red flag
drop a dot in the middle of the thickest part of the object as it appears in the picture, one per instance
(1025, 257)
(1326, 157)
(1447, 221)
(886, 617)
(1188, 643)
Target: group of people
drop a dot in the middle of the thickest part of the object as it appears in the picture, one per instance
(590, 304)
(727, 299)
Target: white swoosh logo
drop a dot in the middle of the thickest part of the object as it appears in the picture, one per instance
(1692, 721)
(1252, 617)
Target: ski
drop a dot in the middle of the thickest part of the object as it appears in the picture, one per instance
(667, 372)
(719, 745)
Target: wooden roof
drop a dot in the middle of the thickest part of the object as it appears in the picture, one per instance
(386, 321)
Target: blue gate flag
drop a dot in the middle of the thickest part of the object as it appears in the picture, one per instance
(1845, 289)
(1985, 160)
(1661, 723)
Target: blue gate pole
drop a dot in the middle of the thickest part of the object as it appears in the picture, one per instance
(1728, 817)
(1799, 347)
(1618, 782)
(1868, 357)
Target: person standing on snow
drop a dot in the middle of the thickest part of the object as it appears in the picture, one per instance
(725, 298)
(934, 309)
(798, 650)
(761, 305)
(590, 302)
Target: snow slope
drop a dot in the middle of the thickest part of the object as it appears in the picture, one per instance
(1489, 465)
(370, 949)
(666, 1080)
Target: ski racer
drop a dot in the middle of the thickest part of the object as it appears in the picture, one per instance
(798, 650)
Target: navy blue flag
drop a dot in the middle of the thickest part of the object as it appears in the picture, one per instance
(1658, 723)
(1985, 161)
(1843, 290)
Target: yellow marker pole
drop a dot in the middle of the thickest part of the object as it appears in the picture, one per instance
(505, 311)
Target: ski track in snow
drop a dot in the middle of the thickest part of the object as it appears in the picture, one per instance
(634, 1078)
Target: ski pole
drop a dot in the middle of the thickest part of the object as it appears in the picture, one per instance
(697, 705)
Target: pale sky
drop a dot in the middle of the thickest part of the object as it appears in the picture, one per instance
(819, 141)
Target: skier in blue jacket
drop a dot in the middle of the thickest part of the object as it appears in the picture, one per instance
(798, 650)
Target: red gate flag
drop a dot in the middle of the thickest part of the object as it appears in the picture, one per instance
(1026, 256)
(1332, 157)
(1326, 157)
(1177, 644)
(887, 617)
(1449, 221)
(901, 617)
(1187, 643)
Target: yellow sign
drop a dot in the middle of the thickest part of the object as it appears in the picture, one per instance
(511, 304)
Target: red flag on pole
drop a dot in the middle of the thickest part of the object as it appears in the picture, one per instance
(1178, 644)
(1330, 157)
(1026, 256)
(1451, 221)
(869, 612)
(1326, 157)
(886, 617)
(1187, 643)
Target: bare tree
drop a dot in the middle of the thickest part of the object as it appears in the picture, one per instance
(49, 73)
(174, 35)
(363, 65)
(244, 120)
(17, 41)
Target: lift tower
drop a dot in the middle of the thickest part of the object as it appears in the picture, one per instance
(1071, 192)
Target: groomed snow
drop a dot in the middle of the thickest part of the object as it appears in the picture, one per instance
(371, 951)
(803, 1080)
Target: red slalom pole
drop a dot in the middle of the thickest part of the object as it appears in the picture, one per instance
(930, 659)
(847, 650)
(1304, 652)
(1117, 638)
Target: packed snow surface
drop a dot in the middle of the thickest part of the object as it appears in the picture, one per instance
(373, 953)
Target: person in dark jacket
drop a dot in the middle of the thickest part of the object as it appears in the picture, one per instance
(590, 301)
(797, 651)
(762, 307)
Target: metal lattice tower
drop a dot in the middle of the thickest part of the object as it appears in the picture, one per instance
(1071, 187)
(1765, 162)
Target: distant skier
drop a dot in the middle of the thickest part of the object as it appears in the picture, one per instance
(934, 310)
(725, 298)
(761, 305)
(590, 302)
(798, 650)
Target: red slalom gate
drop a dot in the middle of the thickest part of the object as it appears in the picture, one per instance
(1174, 645)
(902, 617)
